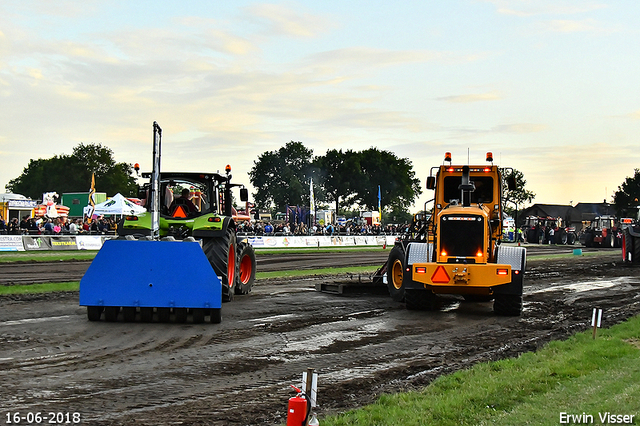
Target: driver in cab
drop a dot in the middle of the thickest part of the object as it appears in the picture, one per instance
(183, 200)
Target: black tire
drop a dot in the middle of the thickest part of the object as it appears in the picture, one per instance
(94, 313)
(216, 316)
(221, 253)
(635, 243)
(164, 314)
(111, 313)
(146, 314)
(129, 313)
(423, 300)
(246, 268)
(508, 305)
(198, 315)
(571, 238)
(588, 239)
(395, 273)
(181, 314)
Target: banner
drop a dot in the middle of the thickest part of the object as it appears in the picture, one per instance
(11, 243)
(36, 243)
(89, 242)
(63, 243)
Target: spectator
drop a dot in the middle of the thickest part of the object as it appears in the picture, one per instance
(3, 226)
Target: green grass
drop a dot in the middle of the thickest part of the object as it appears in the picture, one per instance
(576, 376)
(39, 288)
(363, 270)
(46, 256)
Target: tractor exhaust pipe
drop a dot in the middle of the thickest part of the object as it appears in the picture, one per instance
(466, 187)
(155, 183)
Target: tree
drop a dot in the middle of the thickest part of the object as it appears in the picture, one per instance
(72, 173)
(627, 196)
(395, 176)
(518, 196)
(339, 175)
(281, 177)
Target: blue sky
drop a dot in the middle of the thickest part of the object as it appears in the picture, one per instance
(552, 88)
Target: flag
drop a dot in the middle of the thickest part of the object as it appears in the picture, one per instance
(92, 196)
(379, 203)
(312, 201)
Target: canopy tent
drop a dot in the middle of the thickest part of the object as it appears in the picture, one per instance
(117, 205)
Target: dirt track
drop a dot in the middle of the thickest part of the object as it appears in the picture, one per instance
(238, 373)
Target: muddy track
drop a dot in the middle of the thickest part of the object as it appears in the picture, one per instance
(238, 372)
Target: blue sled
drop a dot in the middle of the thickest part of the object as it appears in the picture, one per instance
(151, 274)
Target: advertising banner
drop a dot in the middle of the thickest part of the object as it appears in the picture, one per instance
(89, 242)
(11, 243)
(36, 243)
(63, 243)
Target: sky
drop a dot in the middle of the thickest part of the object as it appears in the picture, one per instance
(551, 87)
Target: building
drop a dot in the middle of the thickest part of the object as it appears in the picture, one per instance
(16, 206)
(77, 201)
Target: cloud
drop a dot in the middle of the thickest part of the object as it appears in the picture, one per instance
(284, 21)
(570, 26)
(525, 8)
(472, 97)
(635, 115)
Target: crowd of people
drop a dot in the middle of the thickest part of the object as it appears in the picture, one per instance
(57, 226)
(268, 228)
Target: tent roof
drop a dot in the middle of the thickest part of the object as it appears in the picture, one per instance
(118, 204)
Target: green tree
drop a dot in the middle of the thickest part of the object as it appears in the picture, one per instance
(515, 198)
(282, 177)
(399, 187)
(626, 197)
(72, 173)
(339, 175)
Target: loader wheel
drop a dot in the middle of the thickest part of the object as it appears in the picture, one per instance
(129, 313)
(395, 272)
(216, 316)
(508, 305)
(221, 253)
(111, 313)
(423, 300)
(247, 268)
(94, 313)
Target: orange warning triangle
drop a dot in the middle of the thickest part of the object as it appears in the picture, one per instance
(180, 212)
(440, 275)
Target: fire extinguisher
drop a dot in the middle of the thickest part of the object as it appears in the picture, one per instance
(299, 408)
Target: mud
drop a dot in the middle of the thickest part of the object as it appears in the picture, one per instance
(238, 373)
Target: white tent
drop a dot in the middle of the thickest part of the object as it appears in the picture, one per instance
(117, 204)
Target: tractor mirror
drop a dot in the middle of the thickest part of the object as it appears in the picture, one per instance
(511, 183)
(431, 182)
(244, 194)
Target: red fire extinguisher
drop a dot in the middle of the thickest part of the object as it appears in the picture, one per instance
(299, 408)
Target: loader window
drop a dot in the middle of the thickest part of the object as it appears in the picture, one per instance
(461, 235)
(483, 192)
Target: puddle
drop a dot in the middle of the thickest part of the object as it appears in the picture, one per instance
(582, 286)
(33, 320)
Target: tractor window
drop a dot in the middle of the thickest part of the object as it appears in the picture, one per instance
(171, 190)
(482, 194)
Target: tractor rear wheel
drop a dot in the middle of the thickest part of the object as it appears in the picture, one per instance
(111, 313)
(395, 273)
(508, 305)
(221, 253)
(247, 268)
(198, 315)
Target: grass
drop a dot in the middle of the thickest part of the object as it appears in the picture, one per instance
(363, 270)
(577, 376)
(46, 256)
(39, 288)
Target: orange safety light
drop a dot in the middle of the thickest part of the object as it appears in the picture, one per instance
(227, 168)
(502, 271)
(447, 156)
(421, 270)
(443, 253)
(490, 156)
(440, 275)
(479, 253)
(487, 169)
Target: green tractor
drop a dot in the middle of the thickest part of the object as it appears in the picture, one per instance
(199, 206)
